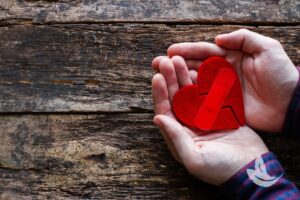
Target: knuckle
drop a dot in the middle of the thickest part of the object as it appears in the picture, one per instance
(164, 60)
(272, 43)
(178, 62)
(176, 58)
(155, 77)
(165, 64)
(244, 30)
(276, 42)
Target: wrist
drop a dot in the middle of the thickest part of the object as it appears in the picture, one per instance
(290, 85)
(291, 121)
(245, 183)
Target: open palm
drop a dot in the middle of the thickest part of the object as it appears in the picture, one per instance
(267, 74)
(213, 158)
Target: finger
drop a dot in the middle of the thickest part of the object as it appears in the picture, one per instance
(245, 40)
(160, 95)
(156, 61)
(193, 75)
(195, 50)
(193, 64)
(167, 69)
(182, 72)
(181, 140)
(169, 143)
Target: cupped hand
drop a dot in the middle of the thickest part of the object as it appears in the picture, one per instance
(213, 157)
(267, 74)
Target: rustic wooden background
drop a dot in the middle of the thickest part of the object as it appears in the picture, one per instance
(75, 102)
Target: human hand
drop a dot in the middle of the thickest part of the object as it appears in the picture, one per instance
(267, 75)
(213, 157)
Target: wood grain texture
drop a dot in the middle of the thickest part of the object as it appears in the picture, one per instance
(96, 68)
(205, 11)
(104, 156)
(93, 58)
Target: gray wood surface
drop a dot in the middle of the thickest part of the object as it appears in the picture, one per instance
(89, 68)
(75, 93)
(204, 11)
(102, 156)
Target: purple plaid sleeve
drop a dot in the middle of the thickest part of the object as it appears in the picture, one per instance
(250, 183)
(291, 126)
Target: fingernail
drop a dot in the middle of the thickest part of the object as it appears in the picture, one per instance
(157, 121)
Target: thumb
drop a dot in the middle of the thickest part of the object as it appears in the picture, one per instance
(245, 40)
(181, 140)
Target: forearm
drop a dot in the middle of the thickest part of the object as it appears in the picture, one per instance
(292, 122)
(246, 185)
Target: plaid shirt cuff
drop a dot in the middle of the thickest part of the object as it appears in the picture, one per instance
(291, 125)
(240, 186)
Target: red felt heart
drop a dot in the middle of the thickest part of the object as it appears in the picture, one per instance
(216, 102)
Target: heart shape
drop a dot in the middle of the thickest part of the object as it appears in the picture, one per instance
(216, 102)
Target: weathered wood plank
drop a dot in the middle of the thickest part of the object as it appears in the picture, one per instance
(85, 156)
(88, 68)
(111, 156)
(205, 11)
